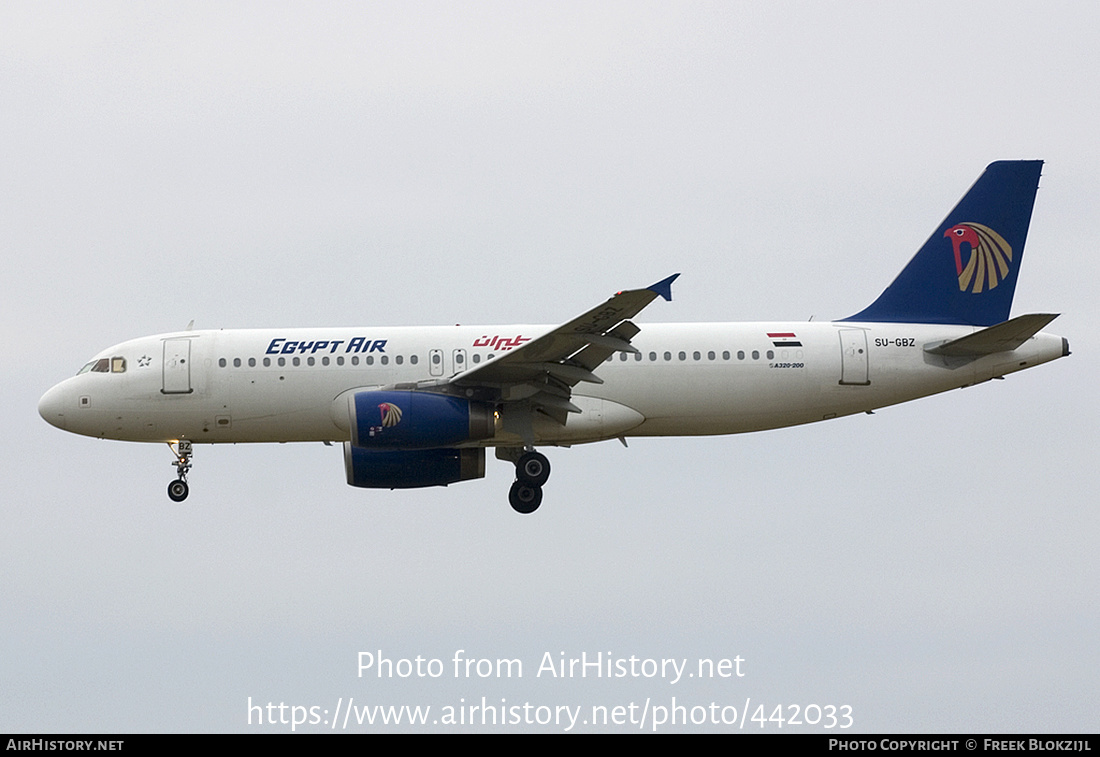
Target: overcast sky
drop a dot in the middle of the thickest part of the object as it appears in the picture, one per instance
(932, 566)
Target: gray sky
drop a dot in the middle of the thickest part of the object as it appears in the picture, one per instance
(253, 164)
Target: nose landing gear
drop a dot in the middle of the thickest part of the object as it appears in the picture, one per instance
(178, 489)
(532, 471)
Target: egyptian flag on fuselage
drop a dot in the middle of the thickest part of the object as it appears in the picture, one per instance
(784, 339)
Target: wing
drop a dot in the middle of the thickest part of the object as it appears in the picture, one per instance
(544, 371)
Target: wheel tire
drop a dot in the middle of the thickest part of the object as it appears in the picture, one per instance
(533, 469)
(525, 498)
(178, 491)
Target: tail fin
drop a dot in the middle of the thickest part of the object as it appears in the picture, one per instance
(966, 272)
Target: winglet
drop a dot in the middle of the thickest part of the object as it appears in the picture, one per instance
(664, 287)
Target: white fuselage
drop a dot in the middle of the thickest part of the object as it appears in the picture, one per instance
(286, 385)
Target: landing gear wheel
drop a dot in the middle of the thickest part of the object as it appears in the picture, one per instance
(533, 469)
(525, 498)
(177, 491)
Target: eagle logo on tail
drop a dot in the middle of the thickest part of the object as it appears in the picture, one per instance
(990, 255)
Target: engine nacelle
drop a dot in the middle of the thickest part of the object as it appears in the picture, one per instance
(417, 420)
(409, 469)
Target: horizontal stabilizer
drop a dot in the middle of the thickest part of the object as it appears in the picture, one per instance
(1004, 337)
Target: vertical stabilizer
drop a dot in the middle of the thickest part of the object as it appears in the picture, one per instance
(966, 272)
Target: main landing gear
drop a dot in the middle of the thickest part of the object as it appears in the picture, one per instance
(178, 489)
(532, 471)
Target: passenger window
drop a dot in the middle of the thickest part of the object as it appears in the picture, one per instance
(771, 354)
(296, 361)
(710, 355)
(310, 360)
(324, 361)
(413, 360)
(282, 362)
(695, 355)
(653, 357)
(236, 362)
(668, 356)
(725, 354)
(267, 362)
(385, 360)
(683, 355)
(370, 360)
(251, 362)
(477, 358)
(740, 354)
(221, 362)
(756, 354)
(340, 360)
(622, 357)
(399, 359)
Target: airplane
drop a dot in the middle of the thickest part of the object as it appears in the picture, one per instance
(419, 406)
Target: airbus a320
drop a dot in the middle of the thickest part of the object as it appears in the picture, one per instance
(419, 406)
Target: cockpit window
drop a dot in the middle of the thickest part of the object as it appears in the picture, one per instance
(105, 365)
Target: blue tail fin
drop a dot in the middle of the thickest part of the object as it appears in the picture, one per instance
(966, 272)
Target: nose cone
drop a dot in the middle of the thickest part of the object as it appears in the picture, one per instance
(52, 406)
